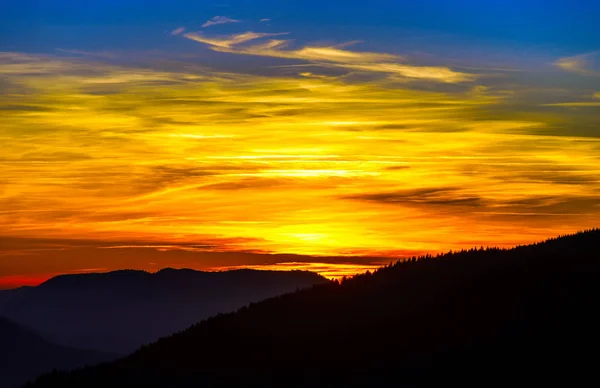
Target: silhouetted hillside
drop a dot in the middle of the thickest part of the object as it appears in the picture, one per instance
(520, 316)
(7, 295)
(25, 355)
(119, 311)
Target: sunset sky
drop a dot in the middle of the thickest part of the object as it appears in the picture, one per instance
(321, 135)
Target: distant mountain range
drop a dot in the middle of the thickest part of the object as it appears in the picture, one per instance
(24, 355)
(117, 312)
(525, 316)
(6, 295)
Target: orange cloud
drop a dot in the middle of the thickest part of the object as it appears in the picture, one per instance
(179, 165)
(329, 270)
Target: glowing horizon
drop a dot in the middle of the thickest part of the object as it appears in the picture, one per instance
(315, 149)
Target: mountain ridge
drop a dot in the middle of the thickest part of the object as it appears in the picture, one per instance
(472, 316)
(110, 311)
(24, 354)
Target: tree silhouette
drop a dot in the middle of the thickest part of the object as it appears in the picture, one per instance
(477, 316)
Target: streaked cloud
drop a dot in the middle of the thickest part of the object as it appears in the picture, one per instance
(329, 270)
(177, 31)
(330, 56)
(215, 21)
(227, 43)
(457, 200)
(584, 64)
(174, 163)
(446, 196)
(590, 103)
(265, 20)
(45, 258)
(577, 104)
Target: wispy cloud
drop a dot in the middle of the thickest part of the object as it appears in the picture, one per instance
(227, 43)
(219, 20)
(98, 54)
(265, 20)
(455, 200)
(427, 197)
(335, 56)
(576, 104)
(320, 165)
(585, 64)
(579, 104)
(326, 269)
(177, 31)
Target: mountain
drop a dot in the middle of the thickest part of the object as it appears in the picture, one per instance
(122, 310)
(7, 295)
(479, 317)
(24, 355)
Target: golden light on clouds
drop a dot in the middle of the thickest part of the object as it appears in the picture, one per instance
(330, 56)
(329, 270)
(585, 64)
(284, 163)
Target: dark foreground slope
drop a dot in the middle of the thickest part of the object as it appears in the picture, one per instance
(24, 355)
(119, 311)
(526, 315)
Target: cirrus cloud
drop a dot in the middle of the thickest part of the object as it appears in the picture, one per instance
(584, 64)
(219, 20)
(335, 56)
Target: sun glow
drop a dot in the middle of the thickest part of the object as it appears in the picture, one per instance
(282, 163)
(334, 271)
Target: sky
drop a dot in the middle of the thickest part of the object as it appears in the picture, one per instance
(332, 136)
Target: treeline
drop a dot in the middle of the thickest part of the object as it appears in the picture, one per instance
(486, 315)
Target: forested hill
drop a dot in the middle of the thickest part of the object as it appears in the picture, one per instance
(525, 315)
